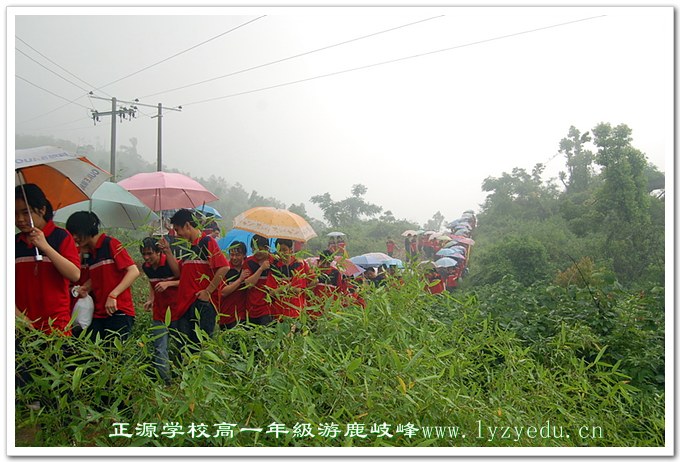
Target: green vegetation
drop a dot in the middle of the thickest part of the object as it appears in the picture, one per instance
(561, 320)
(517, 358)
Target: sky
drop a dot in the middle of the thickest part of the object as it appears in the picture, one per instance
(418, 104)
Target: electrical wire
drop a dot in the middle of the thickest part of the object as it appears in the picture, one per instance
(56, 64)
(53, 72)
(391, 61)
(52, 93)
(291, 57)
(182, 52)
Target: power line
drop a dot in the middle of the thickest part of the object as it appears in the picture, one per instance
(51, 93)
(56, 64)
(292, 57)
(182, 52)
(58, 75)
(392, 61)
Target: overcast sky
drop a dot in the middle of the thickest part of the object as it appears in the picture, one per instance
(420, 106)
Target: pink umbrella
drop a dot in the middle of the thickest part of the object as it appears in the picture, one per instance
(165, 191)
(463, 240)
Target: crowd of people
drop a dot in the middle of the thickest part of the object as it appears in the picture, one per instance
(192, 292)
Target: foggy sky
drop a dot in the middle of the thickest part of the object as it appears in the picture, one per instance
(420, 127)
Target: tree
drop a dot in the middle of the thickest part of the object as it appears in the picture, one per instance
(579, 160)
(623, 201)
(435, 223)
(347, 211)
(519, 195)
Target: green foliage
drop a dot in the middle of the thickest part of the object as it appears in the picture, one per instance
(409, 357)
(347, 211)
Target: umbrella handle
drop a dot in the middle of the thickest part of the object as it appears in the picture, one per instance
(38, 257)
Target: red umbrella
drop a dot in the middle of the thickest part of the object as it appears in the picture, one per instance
(165, 191)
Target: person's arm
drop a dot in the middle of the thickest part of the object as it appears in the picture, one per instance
(131, 273)
(171, 260)
(22, 318)
(252, 279)
(214, 284)
(66, 268)
(149, 302)
(231, 287)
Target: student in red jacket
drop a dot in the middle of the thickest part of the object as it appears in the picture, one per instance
(259, 281)
(330, 283)
(162, 298)
(292, 275)
(233, 301)
(112, 272)
(42, 294)
(200, 274)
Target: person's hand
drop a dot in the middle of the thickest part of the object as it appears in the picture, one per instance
(147, 305)
(37, 238)
(111, 305)
(82, 292)
(203, 295)
(161, 286)
(265, 265)
(163, 245)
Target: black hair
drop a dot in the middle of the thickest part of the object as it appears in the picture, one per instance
(326, 255)
(83, 224)
(287, 242)
(182, 217)
(238, 245)
(260, 242)
(150, 243)
(36, 199)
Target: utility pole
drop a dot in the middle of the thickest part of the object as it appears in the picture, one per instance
(131, 112)
(159, 115)
(123, 113)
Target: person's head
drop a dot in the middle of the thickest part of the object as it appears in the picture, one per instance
(212, 228)
(260, 243)
(237, 252)
(151, 252)
(184, 224)
(325, 258)
(84, 226)
(370, 273)
(38, 207)
(284, 246)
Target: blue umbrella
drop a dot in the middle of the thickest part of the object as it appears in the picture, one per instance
(207, 210)
(446, 252)
(243, 236)
(373, 259)
(445, 262)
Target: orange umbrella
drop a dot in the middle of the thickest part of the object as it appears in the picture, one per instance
(274, 223)
(65, 178)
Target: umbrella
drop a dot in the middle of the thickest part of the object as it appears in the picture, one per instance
(208, 211)
(443, 237)
(445, 262)
(335, 234)
(242, 236)
(65, 178)
(272, 222)
(373, 259)
(456, 247)
(446, 252)
(409, 232)
(165, 191)
(115, 207)
(462, 240)
(339, 262)
(427, 264)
